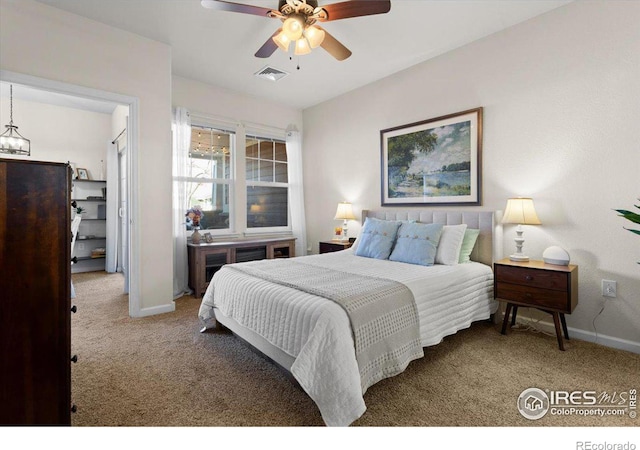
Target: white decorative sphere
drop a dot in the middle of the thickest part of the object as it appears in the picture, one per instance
(556, 255)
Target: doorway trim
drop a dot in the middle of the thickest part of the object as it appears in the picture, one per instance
(134, 108)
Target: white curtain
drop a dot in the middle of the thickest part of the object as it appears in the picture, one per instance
(181, 128)
(296, 191)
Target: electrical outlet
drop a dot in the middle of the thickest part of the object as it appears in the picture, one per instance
(609, 288)
(80, 246)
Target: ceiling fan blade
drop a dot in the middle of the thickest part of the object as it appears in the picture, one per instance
(268, 47)
(235, 7)
(356, 8)
(334, 47)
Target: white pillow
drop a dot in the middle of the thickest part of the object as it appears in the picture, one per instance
(354, 246)
(450, 243)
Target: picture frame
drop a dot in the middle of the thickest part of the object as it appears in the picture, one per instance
(433, 162)
(83, 174)
(208, 238)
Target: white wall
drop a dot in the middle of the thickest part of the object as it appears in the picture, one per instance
(61, 134)
(237, 107)
(561, 112)
(48, 43)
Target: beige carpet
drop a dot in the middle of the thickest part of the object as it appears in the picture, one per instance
(161, 371)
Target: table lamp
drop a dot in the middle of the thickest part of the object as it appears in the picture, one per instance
(344, 212)
(520, 211)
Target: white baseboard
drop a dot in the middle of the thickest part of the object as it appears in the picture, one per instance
(145, 312)
(583, 335)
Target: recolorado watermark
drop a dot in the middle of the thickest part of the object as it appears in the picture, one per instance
(588, 445)
(534, 404)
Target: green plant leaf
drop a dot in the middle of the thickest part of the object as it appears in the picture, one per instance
(633, 217)
(633, 231)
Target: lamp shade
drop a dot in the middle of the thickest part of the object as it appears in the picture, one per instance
(282, 41)
(293, 27)
(315, 36)
(344, 212)
(302, 47)
(521, 211)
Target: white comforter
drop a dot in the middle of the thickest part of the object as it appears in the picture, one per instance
(316, 331)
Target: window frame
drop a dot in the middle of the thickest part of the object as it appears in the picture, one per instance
(265, 137)
(237, 182)
(230, 182)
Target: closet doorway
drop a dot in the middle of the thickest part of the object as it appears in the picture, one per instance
(117, 158)
(124, 182)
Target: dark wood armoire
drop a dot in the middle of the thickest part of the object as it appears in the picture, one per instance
(35, 288)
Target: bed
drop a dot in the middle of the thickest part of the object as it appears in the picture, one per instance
(308, 332)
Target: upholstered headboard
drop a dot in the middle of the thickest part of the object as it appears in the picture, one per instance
(481, 220)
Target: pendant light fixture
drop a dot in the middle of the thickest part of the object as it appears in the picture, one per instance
(11, 141)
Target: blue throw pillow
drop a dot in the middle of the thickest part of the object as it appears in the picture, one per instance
(377, 238)
(417, 243)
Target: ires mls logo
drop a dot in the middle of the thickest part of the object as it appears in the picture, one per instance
(534, 403)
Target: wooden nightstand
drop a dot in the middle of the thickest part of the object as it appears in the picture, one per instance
(334, 246)
(549, 288)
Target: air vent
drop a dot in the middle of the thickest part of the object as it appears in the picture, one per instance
(271, 73)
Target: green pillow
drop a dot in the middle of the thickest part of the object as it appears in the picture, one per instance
(468, 242)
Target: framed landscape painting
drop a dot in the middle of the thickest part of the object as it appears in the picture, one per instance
(436, 161)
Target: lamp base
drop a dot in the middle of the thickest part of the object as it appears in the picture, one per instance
(345, 238)
(519, 240)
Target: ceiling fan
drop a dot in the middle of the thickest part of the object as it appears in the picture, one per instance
(299, 19)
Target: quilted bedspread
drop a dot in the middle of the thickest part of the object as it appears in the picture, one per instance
(317, 332)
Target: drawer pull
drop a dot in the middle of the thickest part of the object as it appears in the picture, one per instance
(528, 278)
(528, 295)
(74, 359)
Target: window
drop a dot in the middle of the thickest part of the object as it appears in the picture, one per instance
(219, 155)
(267, 184)
(209, 177)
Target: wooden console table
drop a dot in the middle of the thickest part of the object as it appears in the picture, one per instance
(205, 259)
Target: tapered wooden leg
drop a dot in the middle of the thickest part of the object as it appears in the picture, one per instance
(506, 318)
(514, 314)
(556, 321)
(564, 326)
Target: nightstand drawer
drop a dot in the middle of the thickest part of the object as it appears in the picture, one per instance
(328, 247)
(532, 277)
(536, 297)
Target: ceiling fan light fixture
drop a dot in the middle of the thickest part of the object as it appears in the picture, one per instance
(293, 27)
(302, 47)
(315, 36)
(298, 18)
(282, 41)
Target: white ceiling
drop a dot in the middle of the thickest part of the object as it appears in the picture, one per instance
(217, 47)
